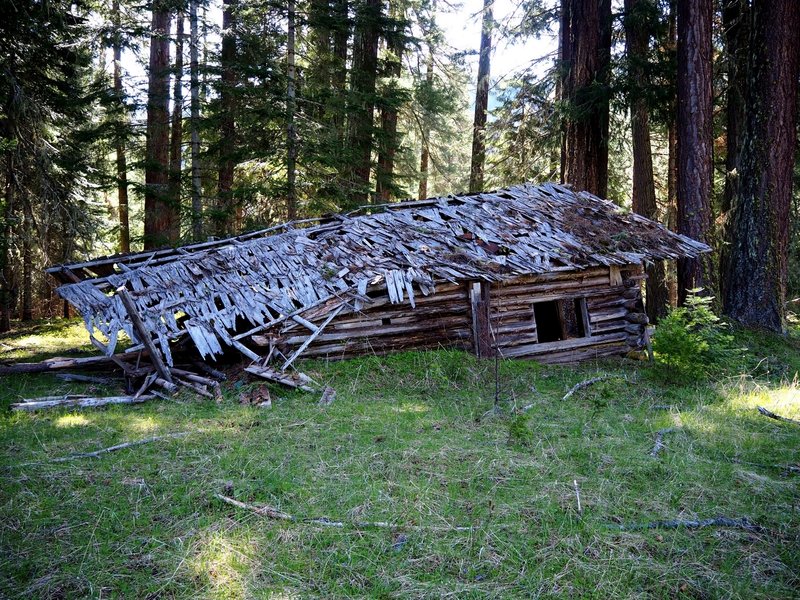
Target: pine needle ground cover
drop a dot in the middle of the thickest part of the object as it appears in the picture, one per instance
(412, 440)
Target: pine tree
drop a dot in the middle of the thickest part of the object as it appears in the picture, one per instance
(639, 17)
(159, 215)
(586, 48)
(759, 229)
(481, 101)
(363, 77)
(694, 133)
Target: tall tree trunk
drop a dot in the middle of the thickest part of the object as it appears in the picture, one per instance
(158, 216)
(7, 291)
(341, 35)
(425, 155)
(588, 54)
(757, 270)
(227, 217)
(119, 138)
(194, 119)
(637, 39)
(481, 101)
(672, 161)
(291, 134)
(176, 138)
(27, 261)
(362, 110)
(695, 151)
(390, 139)
(564, 61)
(318, 73)
(672, 205)
(734, 24)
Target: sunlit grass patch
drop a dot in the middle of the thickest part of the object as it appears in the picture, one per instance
(76, 420)
(412, 439)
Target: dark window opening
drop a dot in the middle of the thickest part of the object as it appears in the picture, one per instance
(561, 319)
(548, 321)
(386, 321)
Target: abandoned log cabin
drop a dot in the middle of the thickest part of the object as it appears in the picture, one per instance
(529, 271)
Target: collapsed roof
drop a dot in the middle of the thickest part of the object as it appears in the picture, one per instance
(214, 291)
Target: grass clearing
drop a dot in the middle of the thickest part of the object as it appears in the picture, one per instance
(409, 440)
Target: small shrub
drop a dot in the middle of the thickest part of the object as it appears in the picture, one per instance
(519, 434)
(691, 340)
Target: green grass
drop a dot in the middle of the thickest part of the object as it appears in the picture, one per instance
(409, 440)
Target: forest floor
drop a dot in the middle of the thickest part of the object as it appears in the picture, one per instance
(410, 439)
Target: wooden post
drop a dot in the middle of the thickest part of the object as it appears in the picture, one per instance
(143, 334)
(481, 333)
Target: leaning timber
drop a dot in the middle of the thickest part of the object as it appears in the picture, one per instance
(539, 272)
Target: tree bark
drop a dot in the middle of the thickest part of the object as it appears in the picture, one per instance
(158, 216)
(119, 138)
(695, 150)
(194, 74)
(363, 77)
(228, 214)
(587, 51)
(759, 229)
(734, 24)
(481, 101)
(7, 291)
(291, 134)
(425, 154)
(637, 39)
(341, 35)
(390, 139)
(27, 261)
(176, 137)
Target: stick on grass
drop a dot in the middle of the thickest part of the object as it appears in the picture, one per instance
(279, 515)
(772, 415)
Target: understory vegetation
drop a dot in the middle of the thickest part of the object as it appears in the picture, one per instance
(413, 440)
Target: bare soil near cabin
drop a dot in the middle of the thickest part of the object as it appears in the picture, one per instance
(552, 496)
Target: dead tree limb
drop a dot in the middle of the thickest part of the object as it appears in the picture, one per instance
(659, 443)
(741, 523)
(772, 415)
(274, 513)
(102, 451)
(585, 384)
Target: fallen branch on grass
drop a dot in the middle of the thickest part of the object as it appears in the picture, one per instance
(742, 523)
(659, 443)
(101, 451)
(786, 469)
(274, 513)
(772, 415)
(79, 402)
(585, 384)
(97, 453)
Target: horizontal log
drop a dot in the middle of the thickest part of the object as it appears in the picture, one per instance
(54, 364)
(560, 276)
(433, 328)
(461, 339)
(566, 358)
(37, 404)
(564, 345)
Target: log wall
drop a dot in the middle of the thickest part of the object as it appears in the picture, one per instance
(497, 318)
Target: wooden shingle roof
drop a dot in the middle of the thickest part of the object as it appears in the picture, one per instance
(215, 289)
